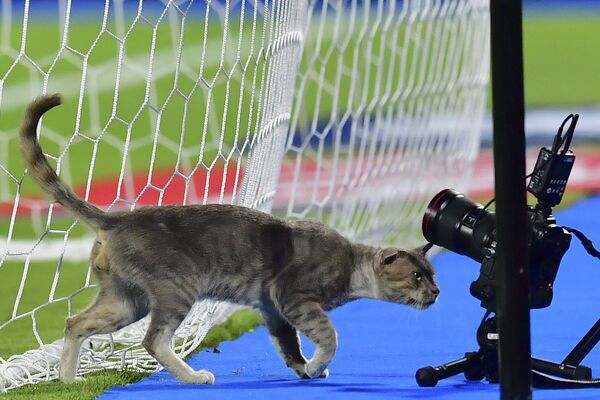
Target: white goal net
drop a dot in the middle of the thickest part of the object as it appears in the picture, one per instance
(351, 112)
(389, 102)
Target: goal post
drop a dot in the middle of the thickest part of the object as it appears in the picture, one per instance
(353, 113)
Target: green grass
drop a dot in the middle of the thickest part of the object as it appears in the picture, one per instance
(92, 387)
(561, 60)
(95, 384)
(27, 228)
(240, 322)
(18, 337)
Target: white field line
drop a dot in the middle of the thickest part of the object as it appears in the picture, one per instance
(75, 250)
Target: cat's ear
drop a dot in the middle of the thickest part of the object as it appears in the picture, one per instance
(424, 249)
(385, 257)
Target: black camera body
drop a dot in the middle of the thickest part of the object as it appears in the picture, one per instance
(547, 245)
(459, 224)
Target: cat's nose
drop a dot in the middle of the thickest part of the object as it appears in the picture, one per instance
(435, 291)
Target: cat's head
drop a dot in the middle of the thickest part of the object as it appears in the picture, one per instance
(405, 277)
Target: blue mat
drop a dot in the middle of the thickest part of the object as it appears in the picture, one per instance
(382, 345)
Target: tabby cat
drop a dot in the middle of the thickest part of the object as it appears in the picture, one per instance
(161, 260)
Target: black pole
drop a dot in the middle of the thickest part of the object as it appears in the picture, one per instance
(511, 201)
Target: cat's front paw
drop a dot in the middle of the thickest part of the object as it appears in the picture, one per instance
(300, 371)
(316, 370)
(203, 376)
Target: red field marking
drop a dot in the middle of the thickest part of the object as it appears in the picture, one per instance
(584, 177)
(103, 191)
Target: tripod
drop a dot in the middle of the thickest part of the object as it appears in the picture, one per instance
(483, 363)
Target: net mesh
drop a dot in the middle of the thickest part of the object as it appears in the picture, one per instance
(389, 103)
(165, 103)
(191, 102)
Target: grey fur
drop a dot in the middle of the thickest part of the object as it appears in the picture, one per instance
(160, 260)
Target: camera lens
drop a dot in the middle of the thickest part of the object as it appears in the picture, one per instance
(459, 224)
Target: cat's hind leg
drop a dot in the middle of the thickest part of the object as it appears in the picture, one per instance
(111, 311)
(166, 316)
(312, 321)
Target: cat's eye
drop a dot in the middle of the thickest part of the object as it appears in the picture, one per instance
(418, 276)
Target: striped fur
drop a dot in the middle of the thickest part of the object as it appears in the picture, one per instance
(41, 171)
(161, 260)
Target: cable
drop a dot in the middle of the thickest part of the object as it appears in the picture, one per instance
(489, 203)
(587, 243)
(569, 134)
(545, 381)
(559, 141)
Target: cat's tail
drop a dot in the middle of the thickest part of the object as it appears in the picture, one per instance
(43, 174)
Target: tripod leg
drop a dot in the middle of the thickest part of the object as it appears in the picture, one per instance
(585, 345)
(566, 371)
(430, 376)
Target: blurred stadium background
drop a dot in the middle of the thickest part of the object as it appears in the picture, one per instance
(562, 75)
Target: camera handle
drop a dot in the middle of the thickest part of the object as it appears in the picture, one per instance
(545, 374)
